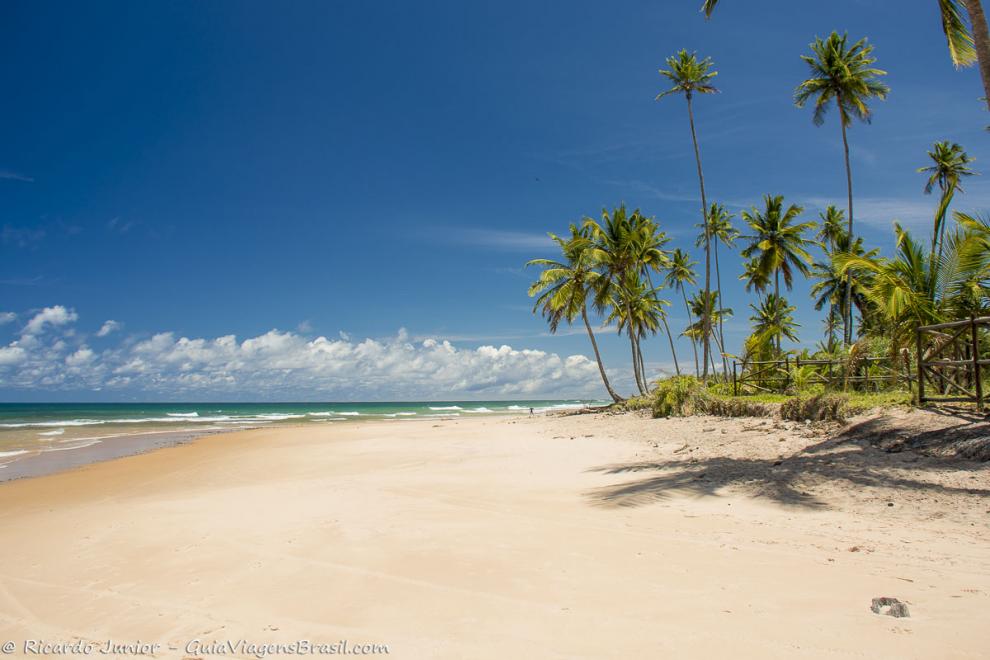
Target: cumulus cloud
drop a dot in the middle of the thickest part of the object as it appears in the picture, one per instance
(283, 365)
(50, 316)
(107, 328)
(7, 317)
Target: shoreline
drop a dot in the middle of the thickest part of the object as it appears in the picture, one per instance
(53, 460)
(558, 536)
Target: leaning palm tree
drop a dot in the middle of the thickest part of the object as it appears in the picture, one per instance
(843, 74)
(691, 76)
(965, 48)
(564, 286)
(680, 272)
(950, 163)
(719, 230)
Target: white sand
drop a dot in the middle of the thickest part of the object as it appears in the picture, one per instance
(520, 538)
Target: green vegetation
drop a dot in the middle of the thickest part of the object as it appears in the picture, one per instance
(619, 268)
(685, 396)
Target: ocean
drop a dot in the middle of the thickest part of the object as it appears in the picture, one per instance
(38, 438)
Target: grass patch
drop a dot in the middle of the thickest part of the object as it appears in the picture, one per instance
(683, 396)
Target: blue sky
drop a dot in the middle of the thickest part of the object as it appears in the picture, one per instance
(318, 168)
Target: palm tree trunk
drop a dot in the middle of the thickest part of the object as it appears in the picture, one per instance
(706, 322)
(673, 351)
(694, 345)
(938, 238)
(848, 330)
(981, 39)
(721, 327)
(598, 358)
(776, 293)
(635, 359)
(642, 366)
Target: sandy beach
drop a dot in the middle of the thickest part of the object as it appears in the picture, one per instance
(586, 536)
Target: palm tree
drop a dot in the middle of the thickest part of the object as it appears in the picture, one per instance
(950, 163)
(777, 245)
(721, 230)
(563, 289)
(772, 321)
(901, 288)
(625, 247)
(689, 76)
(706, 305)
(964, 48)
(640, 314)
(843, 74)
(680, 271)
(830, 289)
(831, 229)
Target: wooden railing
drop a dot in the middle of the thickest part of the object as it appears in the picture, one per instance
(951, 361)
(861, 372)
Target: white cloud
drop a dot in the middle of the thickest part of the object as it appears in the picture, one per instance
(500, 240)
(7, 317)
(14, 176)
(107, 328)
(53, 316)
(280, 365)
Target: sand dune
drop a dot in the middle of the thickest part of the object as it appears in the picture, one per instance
(576, 537)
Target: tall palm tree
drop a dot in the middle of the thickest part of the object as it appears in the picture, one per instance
(719, 230)
(680, 272)
(965, 48)
(843, 74)
(691, 76)
(950, 163)
(564, 286)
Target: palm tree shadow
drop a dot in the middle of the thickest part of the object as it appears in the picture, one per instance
(788, 481)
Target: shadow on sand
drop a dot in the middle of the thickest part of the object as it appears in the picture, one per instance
(788, 480)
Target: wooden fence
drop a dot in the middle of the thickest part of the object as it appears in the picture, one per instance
(859, 373)
(951, 362)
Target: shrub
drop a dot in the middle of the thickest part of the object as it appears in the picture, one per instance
(673, 396)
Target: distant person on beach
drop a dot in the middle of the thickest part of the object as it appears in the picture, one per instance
(530, 411)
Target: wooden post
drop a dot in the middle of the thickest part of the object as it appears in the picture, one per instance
(977, 376)
(921, 369)
(735, 386)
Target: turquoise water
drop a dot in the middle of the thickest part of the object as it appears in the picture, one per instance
(31, 428)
